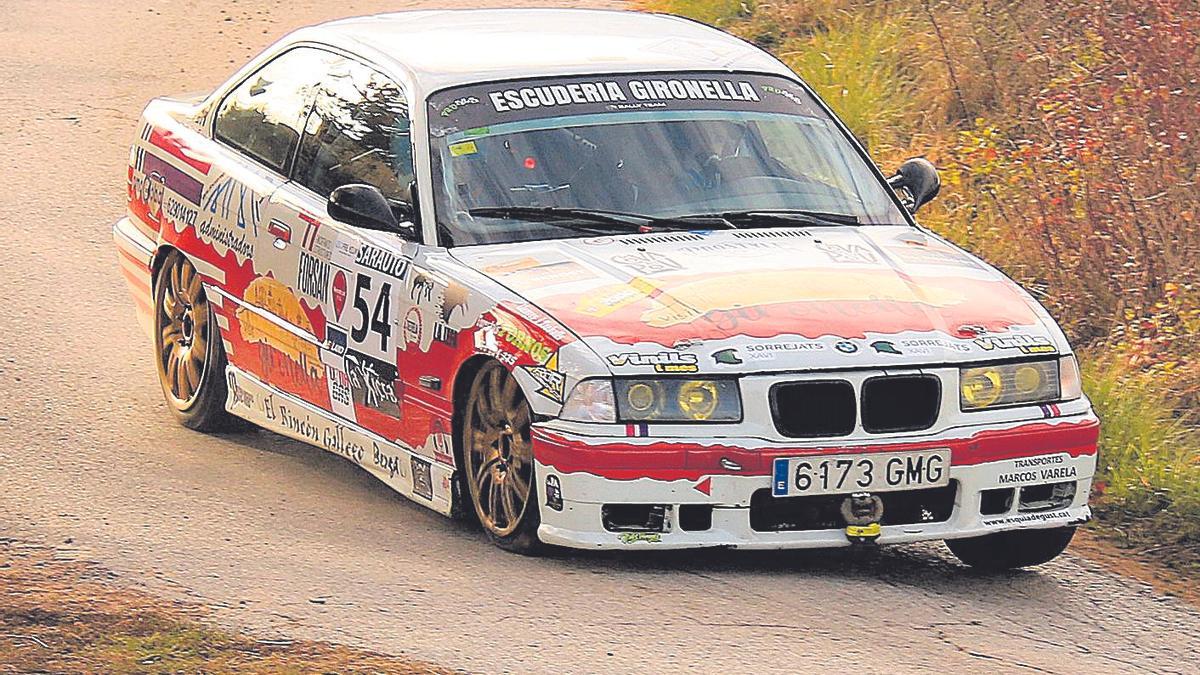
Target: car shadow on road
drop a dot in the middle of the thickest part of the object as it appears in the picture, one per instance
(919, 566)
(925, 568)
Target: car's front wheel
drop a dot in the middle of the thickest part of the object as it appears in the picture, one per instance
(187, 347)
(498, 460)
(1013, 549)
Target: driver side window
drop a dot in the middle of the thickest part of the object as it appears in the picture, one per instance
(263, 115)
(358, 132)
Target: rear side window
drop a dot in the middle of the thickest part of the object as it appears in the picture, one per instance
(263, 116)
(358, 133)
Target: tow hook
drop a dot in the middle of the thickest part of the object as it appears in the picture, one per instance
(862, 512)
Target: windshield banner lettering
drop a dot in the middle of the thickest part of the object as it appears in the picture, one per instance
(475, 106)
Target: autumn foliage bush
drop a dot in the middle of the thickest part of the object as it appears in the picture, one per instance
(1068, 137)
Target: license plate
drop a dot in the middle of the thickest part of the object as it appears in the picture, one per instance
(875, 472)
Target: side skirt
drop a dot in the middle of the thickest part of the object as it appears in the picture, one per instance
(426, 482)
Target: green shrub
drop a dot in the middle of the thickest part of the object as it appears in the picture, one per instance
(1149, 460)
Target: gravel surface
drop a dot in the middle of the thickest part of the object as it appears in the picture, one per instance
(285, 539)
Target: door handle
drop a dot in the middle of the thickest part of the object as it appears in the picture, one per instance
(281, 232)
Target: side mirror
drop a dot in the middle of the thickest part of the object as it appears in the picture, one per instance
(365, 206)
(917, 182)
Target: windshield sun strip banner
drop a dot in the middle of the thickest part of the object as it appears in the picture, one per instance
(474, 107)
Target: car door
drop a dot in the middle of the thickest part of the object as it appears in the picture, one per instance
(257, 128)
(357, 133)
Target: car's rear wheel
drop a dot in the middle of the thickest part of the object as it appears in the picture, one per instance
(498, 460)
(1013, 549)
(187, 347)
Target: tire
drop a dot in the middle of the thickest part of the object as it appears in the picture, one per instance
(1013, 549)
(187, 349)
(498, 460)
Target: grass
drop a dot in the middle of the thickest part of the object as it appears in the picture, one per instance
(861, 66)
(58, 615)
(1147, 493)
(711, 12)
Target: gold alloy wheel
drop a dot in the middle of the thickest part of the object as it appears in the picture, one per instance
(498, 452)
(183, 331)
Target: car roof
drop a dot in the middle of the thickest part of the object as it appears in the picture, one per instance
(441, 48)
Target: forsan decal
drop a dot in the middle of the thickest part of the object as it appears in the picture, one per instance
(312, 277)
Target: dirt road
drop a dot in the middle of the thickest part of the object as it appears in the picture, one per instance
(282, 538)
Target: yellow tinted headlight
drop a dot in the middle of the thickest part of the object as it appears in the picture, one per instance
(1009, 384)
(642, 397)
(1027, 379)
(678, 400)
(698, 399)
(981, 387)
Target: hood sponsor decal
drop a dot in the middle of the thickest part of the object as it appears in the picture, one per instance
(930, 345)
(848, 253)
(1026, 344)
(662, 362)
(646, 262)
(885, 347)
(768, 350)
(727, 356)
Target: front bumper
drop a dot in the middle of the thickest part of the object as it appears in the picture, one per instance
(579, 475)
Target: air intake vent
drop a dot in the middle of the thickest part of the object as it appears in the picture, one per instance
(660, 239)
(900, 403)
(772, 234)
(813, 409)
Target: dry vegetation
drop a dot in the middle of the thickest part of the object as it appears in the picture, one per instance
(62, 616)
(1067, 137)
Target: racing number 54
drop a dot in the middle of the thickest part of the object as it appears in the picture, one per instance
(372, 321)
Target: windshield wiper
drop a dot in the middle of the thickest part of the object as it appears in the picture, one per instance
(753, 218)
(631, 222)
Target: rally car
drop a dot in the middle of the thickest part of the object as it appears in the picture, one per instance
(597, 280)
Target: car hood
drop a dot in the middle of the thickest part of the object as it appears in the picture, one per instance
(773, 299)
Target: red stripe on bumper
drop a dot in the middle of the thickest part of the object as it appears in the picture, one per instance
(134, 259)
(688, 461)
(142, 283)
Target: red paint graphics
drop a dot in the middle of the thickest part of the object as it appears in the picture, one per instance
(178, 148)
(844, 304)
(689, 461)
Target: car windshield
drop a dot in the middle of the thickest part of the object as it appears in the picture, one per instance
(572, 157)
